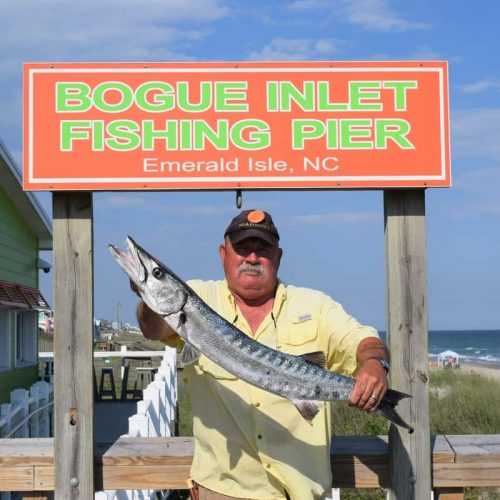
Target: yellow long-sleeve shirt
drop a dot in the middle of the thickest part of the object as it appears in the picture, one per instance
(250, 443)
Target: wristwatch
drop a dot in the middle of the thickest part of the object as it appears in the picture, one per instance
(383, 362)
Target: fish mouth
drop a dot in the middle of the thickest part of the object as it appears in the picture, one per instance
(130, 261)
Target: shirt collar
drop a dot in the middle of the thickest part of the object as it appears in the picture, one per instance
(279, 299)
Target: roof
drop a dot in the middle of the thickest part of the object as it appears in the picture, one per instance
(26, 202)
(25, 297)
(448, 353)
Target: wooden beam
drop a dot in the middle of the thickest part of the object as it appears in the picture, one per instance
(164, 463)
(38, 495)
(73, 342)
(406, 274)
(449, 494)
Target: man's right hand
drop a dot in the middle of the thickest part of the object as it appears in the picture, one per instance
(134, 288)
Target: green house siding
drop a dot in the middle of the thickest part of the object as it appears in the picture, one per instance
(18, 264)
(18, 378)
(18, 248)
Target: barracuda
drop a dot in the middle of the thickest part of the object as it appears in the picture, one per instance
(302, 381)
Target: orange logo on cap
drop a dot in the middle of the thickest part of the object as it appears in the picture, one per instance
(256, 216)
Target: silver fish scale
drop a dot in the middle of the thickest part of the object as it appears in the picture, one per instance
(283, 374)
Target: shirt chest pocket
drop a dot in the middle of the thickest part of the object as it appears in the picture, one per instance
(208, 367)
(299, 336)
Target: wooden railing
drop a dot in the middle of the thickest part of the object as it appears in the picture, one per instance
(163, 463)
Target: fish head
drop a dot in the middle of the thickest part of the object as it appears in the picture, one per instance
(158, 286)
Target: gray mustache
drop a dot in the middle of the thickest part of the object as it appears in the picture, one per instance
(254, 268)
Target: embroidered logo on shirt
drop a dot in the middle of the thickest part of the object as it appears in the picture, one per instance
(304, 317)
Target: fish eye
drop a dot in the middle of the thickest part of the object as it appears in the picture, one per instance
(157, 273)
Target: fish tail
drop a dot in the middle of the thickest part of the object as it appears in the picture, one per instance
(387, 408)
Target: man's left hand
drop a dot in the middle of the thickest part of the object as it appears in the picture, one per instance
(371, 385)
(371, 380)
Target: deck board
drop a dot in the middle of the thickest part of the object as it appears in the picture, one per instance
(164, 463)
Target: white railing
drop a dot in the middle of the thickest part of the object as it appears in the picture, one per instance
(29, 413)
(155, 417)
(123, 353)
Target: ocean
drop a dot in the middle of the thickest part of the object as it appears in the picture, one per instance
(473, 346)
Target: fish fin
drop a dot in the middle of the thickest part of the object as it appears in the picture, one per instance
(189, 355)
(387, 406)
(389, 412)
(317, 358)
(308, 409)
(393, 397)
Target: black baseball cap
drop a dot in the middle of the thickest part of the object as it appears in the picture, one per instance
(253, 224)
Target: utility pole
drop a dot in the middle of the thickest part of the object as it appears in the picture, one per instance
(118, 305)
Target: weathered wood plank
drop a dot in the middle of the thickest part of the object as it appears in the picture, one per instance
(16, 478)
(449, 494)
(44, 478)
(360, 475)
(359, 462)
(472, 448)
(363, 462)
(73, 341)
(461, 474)
(441, 450)
(406, 274)
(38, 495)
(135, 477)
(30, 451)
(152, 451)
(141, 463)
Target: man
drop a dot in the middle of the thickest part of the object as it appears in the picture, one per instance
(250, 443)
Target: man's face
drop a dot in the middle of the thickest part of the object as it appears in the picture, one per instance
(251, 267)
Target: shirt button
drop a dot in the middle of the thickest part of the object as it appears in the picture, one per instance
(259, 436)
(268, 466)
(257, 404)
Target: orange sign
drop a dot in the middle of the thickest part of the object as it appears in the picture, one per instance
(235, 126)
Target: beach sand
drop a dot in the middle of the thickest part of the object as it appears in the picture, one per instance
(484, 370)
(490, 371)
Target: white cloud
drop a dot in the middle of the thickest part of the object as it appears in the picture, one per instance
(370, 14)
(426, 53)
(104, 30)
(289, 49)
(309, 4)
(480, 86)
(476, 132)
(339, 218)
(148, 202)
(377, 15)
(124, 201)
(94, 30)
(479, 193)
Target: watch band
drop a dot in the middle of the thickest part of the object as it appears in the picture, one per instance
(382, 361)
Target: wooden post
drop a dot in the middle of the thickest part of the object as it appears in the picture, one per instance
(410, 454)
(73, 342)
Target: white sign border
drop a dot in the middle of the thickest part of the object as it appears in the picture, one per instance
(225, 180)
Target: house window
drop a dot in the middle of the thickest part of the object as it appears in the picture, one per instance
(4, 339)
(24, 329)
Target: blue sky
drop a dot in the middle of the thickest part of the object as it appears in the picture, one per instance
(333, 240)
